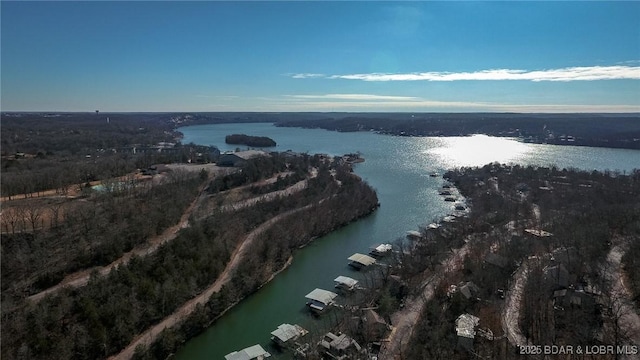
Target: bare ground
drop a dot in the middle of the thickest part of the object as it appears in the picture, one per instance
(405, 320)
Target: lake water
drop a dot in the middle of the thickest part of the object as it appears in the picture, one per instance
(398, 168)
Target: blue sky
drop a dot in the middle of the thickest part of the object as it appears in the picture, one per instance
(321, 56)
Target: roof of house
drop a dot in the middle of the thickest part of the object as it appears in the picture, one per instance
(469, 290)
(365, 260)
(321, 296)
(465, 325)
(250, 353)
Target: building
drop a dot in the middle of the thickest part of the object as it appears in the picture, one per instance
(339, 347)
(466, 330)
(345, 283)
(238, 158)
(360, 261)
(286, 334)
(255, 352)
(320, 300)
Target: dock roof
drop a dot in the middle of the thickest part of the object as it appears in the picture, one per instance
(250, 353)
(321, 296)
(286, 332)
(345, 280)
(365, 260)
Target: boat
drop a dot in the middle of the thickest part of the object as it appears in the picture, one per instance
(413, 235)
(434, 174)
(360, 261)
(345, 283)
(320, 299)
(381, 249)
(450, 199)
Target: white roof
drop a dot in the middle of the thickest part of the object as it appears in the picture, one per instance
(346, 281)
(465, 325)
(252, 352)
(382, 248)
(365, 260)
(322, 296)
(286, 332)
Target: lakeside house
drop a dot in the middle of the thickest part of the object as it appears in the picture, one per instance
(255, 352)
(339, 347)
(238, 158)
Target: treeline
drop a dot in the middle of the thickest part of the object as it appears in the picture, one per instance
(101, 318)
(253, 141)
(34, 175)
(599, 130)
(90, 233)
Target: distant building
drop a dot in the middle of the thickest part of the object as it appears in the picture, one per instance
(238, 158)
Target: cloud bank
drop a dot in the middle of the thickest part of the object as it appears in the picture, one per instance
(584, 73)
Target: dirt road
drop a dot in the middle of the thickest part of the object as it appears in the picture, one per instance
(149, 336)
(81, 278)
(404, 321)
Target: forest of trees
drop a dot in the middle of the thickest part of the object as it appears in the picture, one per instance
(587, 212)
(101, 318)
(253, 141)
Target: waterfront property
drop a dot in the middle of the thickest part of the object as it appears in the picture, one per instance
(255, 352)
(345, 283)
(320, 299)
(239, 157)
(360, 261)
(339, 346)
(286, 334)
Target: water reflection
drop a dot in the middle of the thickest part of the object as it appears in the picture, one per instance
(477, 150)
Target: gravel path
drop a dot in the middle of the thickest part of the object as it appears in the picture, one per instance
(150, 335)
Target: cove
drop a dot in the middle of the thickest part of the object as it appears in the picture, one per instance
(398, 168)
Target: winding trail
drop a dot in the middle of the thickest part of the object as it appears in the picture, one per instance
(511, 309)
(405, 320)
(81, 278)
(621, 297)
(150, 335)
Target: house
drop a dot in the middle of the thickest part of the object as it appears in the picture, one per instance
(255, 352)
(557, 276)
(465, 329)
(469, 290)
(286, 334)
(339, 347)
(238, 158)
(320, 300)
(360, 261)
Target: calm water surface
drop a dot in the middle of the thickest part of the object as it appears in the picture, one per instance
(398, 168)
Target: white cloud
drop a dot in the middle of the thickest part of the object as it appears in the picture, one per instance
(307, 76)
(584, 73)
(373, 103)
(362, 97)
